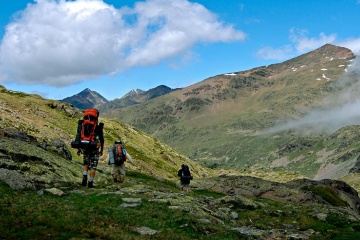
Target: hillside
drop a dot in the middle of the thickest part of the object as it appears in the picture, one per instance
(41, 196)
(46, 121)
(246, 120)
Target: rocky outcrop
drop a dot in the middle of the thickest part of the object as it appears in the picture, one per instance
(27, 163)
(304, 191)
(356, 167)
(66, 108)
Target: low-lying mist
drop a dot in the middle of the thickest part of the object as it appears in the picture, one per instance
(336, 111)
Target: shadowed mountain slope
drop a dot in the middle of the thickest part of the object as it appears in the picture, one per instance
(86, 99)
(135, 97)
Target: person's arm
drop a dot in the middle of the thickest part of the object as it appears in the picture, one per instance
(101, 138)
(128, 157)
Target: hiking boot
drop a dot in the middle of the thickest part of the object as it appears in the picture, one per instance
(90, 184)
(115, 180)
(84, 181)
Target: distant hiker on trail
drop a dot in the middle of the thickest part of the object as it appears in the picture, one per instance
(185, 177)
(117, 157)
(89, 141)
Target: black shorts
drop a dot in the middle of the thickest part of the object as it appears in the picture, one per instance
(91, 159)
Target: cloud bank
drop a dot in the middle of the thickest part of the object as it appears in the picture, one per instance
(59, 42)
(336, 111)
(301, 43)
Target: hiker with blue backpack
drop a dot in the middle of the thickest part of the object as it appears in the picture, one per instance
(117, 157)
(185, 177)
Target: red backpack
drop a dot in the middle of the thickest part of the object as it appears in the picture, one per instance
(119, 154)
(86, 134)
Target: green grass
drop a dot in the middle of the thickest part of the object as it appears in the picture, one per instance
(28, 215)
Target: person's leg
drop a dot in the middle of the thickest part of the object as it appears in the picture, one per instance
(115, 178)
(181, 186)
(85, 172)
(122, 178)
(186, 187)
(94, 159)
(92, 173)
(122, 172)
(114, 173)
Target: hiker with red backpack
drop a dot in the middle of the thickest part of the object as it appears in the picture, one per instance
(89, 140)
(117, 157)
(185, 177)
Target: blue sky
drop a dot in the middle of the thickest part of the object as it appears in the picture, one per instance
(57, 48)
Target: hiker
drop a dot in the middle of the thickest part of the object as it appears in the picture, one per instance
(185, 177)
(117, 157)
(89, 141)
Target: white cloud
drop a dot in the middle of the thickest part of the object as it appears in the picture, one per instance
(63, 42)
(300, 43)
(305, 44)
(276, 54)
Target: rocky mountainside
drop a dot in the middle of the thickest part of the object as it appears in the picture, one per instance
(86, 99)
(41, 193)
(135, 97)
(262, 118)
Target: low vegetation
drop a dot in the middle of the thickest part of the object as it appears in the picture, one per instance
(99, 214)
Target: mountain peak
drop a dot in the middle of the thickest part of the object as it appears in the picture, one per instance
(86, 99)
(324, 53)
(134, 92)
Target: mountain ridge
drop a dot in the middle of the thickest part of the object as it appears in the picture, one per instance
(223, 121)
(135, 97)
(85, 99)
(90, 99)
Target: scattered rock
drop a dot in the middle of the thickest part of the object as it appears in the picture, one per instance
(234, 215)
(132, 200)
(145, 231)
(203, 220)
(250, 231)
(125, 205)
(55, 191)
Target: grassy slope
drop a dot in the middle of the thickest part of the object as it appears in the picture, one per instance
(222, 121)
(97, 214)
(33, 114)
